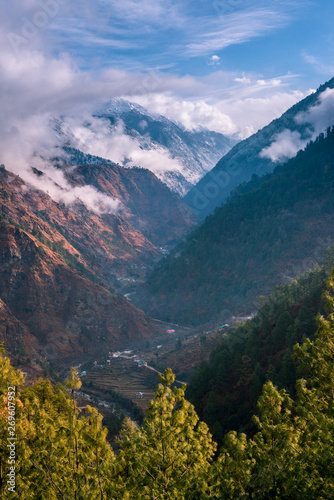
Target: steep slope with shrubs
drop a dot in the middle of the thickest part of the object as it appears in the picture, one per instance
(147, 204)
(52, 313)
(58, 268)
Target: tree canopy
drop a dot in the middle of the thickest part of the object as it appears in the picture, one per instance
(62, 451)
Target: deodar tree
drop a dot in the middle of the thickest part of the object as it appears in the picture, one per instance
(169, 456)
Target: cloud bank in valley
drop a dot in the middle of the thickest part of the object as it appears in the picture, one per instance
(33, 90)
(36, 90)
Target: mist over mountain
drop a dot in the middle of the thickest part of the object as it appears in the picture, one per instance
(263, 151)
(126, 133)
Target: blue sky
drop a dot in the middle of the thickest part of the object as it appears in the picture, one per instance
(242, 61)
(269, 38)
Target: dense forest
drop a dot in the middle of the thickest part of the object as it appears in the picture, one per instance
(269, 231)
(51, 448)
(225, 389)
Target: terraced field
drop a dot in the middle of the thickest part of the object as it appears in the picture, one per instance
(126, 379)
(137, 384)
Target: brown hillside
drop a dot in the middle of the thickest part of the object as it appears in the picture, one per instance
(57, 271)
(52, 311)
(150, 206)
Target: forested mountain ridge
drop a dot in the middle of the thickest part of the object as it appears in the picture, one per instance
(270, 230)
(246, 158)
(225, 390)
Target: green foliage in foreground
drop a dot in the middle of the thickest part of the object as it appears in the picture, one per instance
(63, 453)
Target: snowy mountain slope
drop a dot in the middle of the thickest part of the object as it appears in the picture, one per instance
(125, 133)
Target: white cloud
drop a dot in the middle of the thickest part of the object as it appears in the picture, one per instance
(95, 201)
(273, 82)
(318, 117)
(285, 146)
(31, 143)
(190, 114)
(237, 27)
(214, 61)
(240, 106)
(97, 137)
(244, 80)
(32, 90)
(229, 115)
(35, 89)
(253, 113)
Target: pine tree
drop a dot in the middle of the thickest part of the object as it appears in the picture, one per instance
(169, 456)
(10, 382)
(63, 452)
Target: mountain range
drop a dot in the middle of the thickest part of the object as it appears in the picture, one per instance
(60, 266)
(64, 266)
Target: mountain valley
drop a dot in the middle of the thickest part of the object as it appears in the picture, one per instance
(203, 275)
(61, 267)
